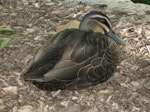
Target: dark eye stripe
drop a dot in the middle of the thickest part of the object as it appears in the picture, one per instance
(102, 20)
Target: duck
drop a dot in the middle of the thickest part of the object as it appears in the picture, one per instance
(76, 59)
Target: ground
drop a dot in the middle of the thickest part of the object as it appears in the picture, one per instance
(126, 91)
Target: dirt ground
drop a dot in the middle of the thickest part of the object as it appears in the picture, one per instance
(128, 90)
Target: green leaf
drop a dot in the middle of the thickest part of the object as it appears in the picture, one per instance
(4, 42)
(141, 1)
(7, 31)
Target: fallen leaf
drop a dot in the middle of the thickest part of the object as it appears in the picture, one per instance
(11, 90)
(58, 11)
(3, 26)
(71, 24)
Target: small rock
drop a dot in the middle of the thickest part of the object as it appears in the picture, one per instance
(115, 106)
(37, 38)
(74, 16)
(36, 5)
(64, 103)
(74, 98)
(135, 83)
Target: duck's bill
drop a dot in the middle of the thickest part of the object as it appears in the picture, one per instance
(115, 37)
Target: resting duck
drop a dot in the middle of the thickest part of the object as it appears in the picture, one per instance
(77, 58)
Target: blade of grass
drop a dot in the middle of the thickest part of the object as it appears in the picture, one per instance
(7, 31)
(4, 42)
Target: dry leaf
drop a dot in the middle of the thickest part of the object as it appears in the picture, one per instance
(58, 11)
(71, 24)
(2, 26)
(11, 90)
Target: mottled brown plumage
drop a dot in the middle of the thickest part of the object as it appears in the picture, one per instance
(77, 58)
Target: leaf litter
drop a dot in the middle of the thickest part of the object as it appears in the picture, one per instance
(126, 91)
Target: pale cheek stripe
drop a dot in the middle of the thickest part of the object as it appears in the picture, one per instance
(99, 16)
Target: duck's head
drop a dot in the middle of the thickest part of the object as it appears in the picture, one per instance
(98, 22)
